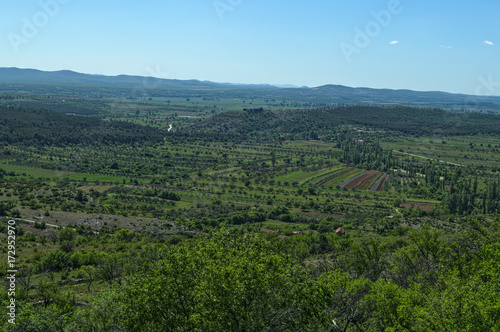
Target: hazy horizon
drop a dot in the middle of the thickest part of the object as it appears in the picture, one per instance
(285, 85)
(450, 46)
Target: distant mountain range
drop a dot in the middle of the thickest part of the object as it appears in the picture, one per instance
(16, 78)
(67, 77)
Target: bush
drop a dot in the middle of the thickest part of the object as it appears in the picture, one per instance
(29, 236)
(67, 246)
(54, 261)
(40, 225)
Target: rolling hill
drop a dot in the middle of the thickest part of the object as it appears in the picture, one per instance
(305, 124)
(65, 82)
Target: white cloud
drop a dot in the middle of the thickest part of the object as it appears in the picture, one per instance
(394, 42)
(489, 43)
(446, 46)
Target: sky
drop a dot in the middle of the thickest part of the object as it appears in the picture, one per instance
(423, 45)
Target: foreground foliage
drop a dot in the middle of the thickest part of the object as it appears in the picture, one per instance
(230, 282)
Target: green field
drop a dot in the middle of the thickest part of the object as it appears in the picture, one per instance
(466, 151)
(107, 215)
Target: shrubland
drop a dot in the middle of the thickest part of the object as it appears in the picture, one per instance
(230, 223)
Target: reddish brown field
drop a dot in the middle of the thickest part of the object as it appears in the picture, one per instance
(427, 207)
(338, 176)
(364, 181)
(380, 185)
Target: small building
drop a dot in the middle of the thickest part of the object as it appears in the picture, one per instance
(340, 231)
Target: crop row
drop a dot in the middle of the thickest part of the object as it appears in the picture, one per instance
(319, 181)
(361, 181)
(368, 180)
(380, 183)
(341, 177)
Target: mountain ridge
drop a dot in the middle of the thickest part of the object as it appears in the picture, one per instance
(330, 94)
(33, 76)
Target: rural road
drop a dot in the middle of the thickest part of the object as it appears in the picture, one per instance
(31, 221)
(414, 155)
(48, 225)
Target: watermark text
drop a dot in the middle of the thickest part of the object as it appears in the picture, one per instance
(224, 6)
(11, 272)
(364, 36)
(31, 26)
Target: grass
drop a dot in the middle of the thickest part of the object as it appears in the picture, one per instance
(26, 172)
(297, 176)
(464, 150)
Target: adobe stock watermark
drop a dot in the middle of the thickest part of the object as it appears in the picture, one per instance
(472, 103)
(11, 271)
(363, 37)
(32, 26)
(486, 87)
(141, 91)
(224, 6)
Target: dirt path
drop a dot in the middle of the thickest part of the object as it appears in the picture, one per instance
(31, 221)
(422, 157)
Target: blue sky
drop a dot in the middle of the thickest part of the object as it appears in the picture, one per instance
(447, 45)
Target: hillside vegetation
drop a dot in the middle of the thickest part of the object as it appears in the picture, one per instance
(331, 219)
(305, 124)
(42, 127)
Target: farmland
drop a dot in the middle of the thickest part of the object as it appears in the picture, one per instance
(363, 181)
(93, 196)
(299, 176)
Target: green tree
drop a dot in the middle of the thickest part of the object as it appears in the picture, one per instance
(224, 283)
(111, 269)
(66, 234)
(6, 206)
(90, 274)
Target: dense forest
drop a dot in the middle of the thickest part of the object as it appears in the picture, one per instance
(42, 127)
(309, 124)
